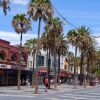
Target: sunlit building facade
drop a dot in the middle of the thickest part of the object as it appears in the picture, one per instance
(9, 63)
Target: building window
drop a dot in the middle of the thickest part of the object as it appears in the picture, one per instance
(30, 64)
(40, 60)
(2, 55)
(14, 57)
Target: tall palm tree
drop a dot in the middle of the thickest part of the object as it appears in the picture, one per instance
(90, 53)
(54, 28)
(61, 49)
(21, 25)
(38, 10)
(87, 48)
(73, 38)
(91, 59)
(46, 41)
(5, 4)
(84, 43)
(31, 44)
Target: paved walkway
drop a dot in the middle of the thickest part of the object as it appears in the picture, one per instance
(28, 90)
(63, 92)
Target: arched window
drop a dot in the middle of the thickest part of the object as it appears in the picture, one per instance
(14, 57)
(2, 55)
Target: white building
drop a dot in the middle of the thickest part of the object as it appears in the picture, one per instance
(42, 60)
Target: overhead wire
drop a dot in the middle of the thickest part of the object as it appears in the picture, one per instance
(67, 20)
(63, 17)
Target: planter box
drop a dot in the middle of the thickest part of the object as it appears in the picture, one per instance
(92, 83)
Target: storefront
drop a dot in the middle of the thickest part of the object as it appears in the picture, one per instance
(8, 77)
(26, 75)
(42, 74)
(9, 64)
(65, 76)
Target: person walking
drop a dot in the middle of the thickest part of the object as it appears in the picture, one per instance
(46, 84)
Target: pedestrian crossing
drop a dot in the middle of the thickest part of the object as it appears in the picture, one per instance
(75, 96)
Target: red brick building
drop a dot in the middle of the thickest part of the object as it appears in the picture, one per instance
(9, 63)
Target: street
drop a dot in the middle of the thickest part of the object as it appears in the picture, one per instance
(63, 93)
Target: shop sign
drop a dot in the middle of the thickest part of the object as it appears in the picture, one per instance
(8, 66)
(3, 66)
(52, 73)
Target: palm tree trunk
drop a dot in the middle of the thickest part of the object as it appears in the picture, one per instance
(81, 69)
(19, 69)
(49, 70)
(55, 71)
(37, 49)
(75, 78)
(33, 72)
(47, 59)
(59, 68)
(84, 71)
(88, 71)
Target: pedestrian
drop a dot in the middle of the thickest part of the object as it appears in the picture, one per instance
(46, 84)
(23, 82)
(52, 81)
(27, 82)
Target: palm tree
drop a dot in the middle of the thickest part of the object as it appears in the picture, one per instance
(5, 4)
(61, 49)
(31, 44)
(46, 41)
(91, 59)
(21, 25)
(84, 38)
(73, 38)
(39, 9)
(87, 48)
(90, 53)
(54, 28)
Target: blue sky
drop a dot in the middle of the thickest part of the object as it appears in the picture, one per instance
(78, 12)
